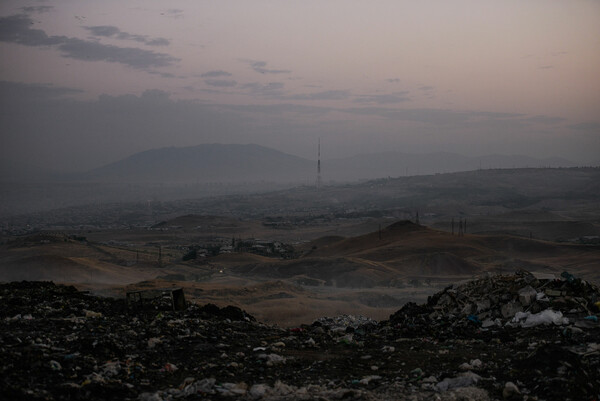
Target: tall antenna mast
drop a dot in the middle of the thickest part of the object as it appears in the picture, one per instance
(319, 166)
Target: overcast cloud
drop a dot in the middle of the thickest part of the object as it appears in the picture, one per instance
(223, 83)
(214, 74)
(17, 29)
(110, 31)
(261, 67)
(87, 83)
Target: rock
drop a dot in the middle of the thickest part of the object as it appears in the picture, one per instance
(273, 359)
(367, 379)
(510, 389)
(509, 310)
(483, 305)
(466, 394)
(258, 391)
(388, 349)
(149, 397)
(462, 380)
(527, 295)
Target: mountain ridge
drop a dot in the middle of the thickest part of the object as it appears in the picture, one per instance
(234, 163)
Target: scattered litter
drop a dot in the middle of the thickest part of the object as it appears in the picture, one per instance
(498, 337)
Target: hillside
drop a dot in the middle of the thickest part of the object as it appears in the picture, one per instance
(405, 251)
(243, 163)
(396, 164)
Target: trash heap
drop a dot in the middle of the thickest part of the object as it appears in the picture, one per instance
(57, 343)
(519, 300)
(345, 323)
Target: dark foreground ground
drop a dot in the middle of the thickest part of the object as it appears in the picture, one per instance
(503, 337)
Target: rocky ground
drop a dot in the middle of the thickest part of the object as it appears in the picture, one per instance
(514, 337)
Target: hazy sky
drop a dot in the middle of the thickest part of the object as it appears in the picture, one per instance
(85, 83)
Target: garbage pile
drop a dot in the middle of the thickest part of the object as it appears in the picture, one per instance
(345, 323)
(57, 343)
(519, 300)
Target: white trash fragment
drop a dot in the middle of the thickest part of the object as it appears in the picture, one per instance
(54, 365)
(153, 341)
(230, 389)
(111, 368)
(272, 359)
(528, 319)
(367, 379)
(90, 313)
(280, 388)
(462, 380)
(490, 323)
(474, 364)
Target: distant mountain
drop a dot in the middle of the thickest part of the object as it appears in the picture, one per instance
(208, 163)
(395, 164)
(254, 163)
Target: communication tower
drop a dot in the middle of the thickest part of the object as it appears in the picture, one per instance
(319, 165)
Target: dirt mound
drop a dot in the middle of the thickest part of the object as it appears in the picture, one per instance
(42, 267)
(339, 272)
(404, 226)
(65, 269)
(228, 312)
(437, 264)
(505, 243)
(323, 242)
(240, 258)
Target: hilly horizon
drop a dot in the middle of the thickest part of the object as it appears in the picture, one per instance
(206, 163)
(255, 163)
(408, 250)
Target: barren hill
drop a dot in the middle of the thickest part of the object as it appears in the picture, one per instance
(405, 250)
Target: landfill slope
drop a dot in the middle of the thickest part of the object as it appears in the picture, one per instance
(509, 337)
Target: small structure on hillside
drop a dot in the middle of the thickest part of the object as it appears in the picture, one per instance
(159, 299)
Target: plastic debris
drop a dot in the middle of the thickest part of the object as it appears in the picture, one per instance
(527, 319)
(51, 350)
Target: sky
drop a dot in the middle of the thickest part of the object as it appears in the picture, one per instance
(84, 82)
